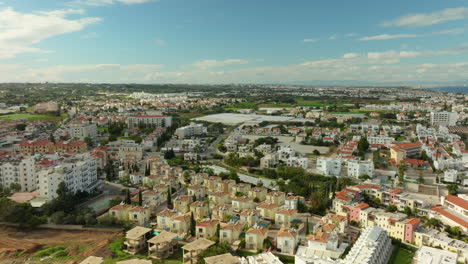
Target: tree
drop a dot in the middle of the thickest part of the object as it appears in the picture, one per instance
(408, 211)
(453, 189)
(169, 154)
(391, 208)
(169, 198)
(363, 145)
(140, 198)
(192, 225)
(364, 177)
(89, 142)
(15, 187)
(128, 199)
(147, 170)
(58, 217)
(316, 152)
(420, 178)
(115, 201)
(20, 127)
(307, 231)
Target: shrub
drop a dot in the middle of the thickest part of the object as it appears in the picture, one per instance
(49, 251)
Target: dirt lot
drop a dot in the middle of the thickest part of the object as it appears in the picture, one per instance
(19, 246)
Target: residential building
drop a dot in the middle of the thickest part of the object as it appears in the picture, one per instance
(426, 255)
(18, 170)
(83, 130)
(182, 203)
(135, 239)
(320, 245)
(200, 210)
(153, 121)
(190, 131)
(329, 166)
(443, 118)
(287, 240)
(249, 217)
(230, 232)
(39, 146)
(357, 168)
(292, 202)
(452, 212)
(284, 217)
(451, 176)
(276, 197)
(254, 238)
(241, 203)
(372, 247)
(206, 228)
(399, 152)
(139, 215)
(259, 193)
(222, 212)
(198, 191)
(262, 258)
(267, 210)
(78, 172)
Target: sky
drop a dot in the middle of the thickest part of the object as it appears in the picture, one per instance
(235, 41)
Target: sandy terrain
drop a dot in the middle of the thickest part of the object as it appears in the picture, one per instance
(18, 246)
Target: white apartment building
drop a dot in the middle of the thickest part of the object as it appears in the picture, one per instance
(451, 176)
(451, 164)
(372, 247)
(263, 258)
(431, 255)
(443, 118)
(286, 152)
(80, 131)
(79, 173)
(191, 130)
(453, 211)
(153, 121)
(18, 170)
(329, 166)
(381, 140)
(298, 162)
(358, 168)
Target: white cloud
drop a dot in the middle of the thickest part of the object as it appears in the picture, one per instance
(354, 68)
(427, 19)
(311, 40)
(160, 42)
(386, 36)
(350, 55)
(206, 64)
(455, 31)
(107, 2)
(20, 31)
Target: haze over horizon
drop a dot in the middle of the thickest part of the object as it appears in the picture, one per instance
(220, 41)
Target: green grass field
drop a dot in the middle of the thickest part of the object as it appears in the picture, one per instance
(401, 256)
(275, 106)
(29, 117)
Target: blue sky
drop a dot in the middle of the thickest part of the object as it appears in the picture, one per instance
(234, 41)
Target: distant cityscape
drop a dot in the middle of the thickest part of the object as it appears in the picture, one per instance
(233, 174)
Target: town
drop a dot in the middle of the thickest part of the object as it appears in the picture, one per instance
(234, 174)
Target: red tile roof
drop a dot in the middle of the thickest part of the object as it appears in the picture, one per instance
(457, 201)
(450, 216)
(412, 221)
(362, 206)
(408, 145)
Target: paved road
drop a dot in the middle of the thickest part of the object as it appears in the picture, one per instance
(267, 183)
